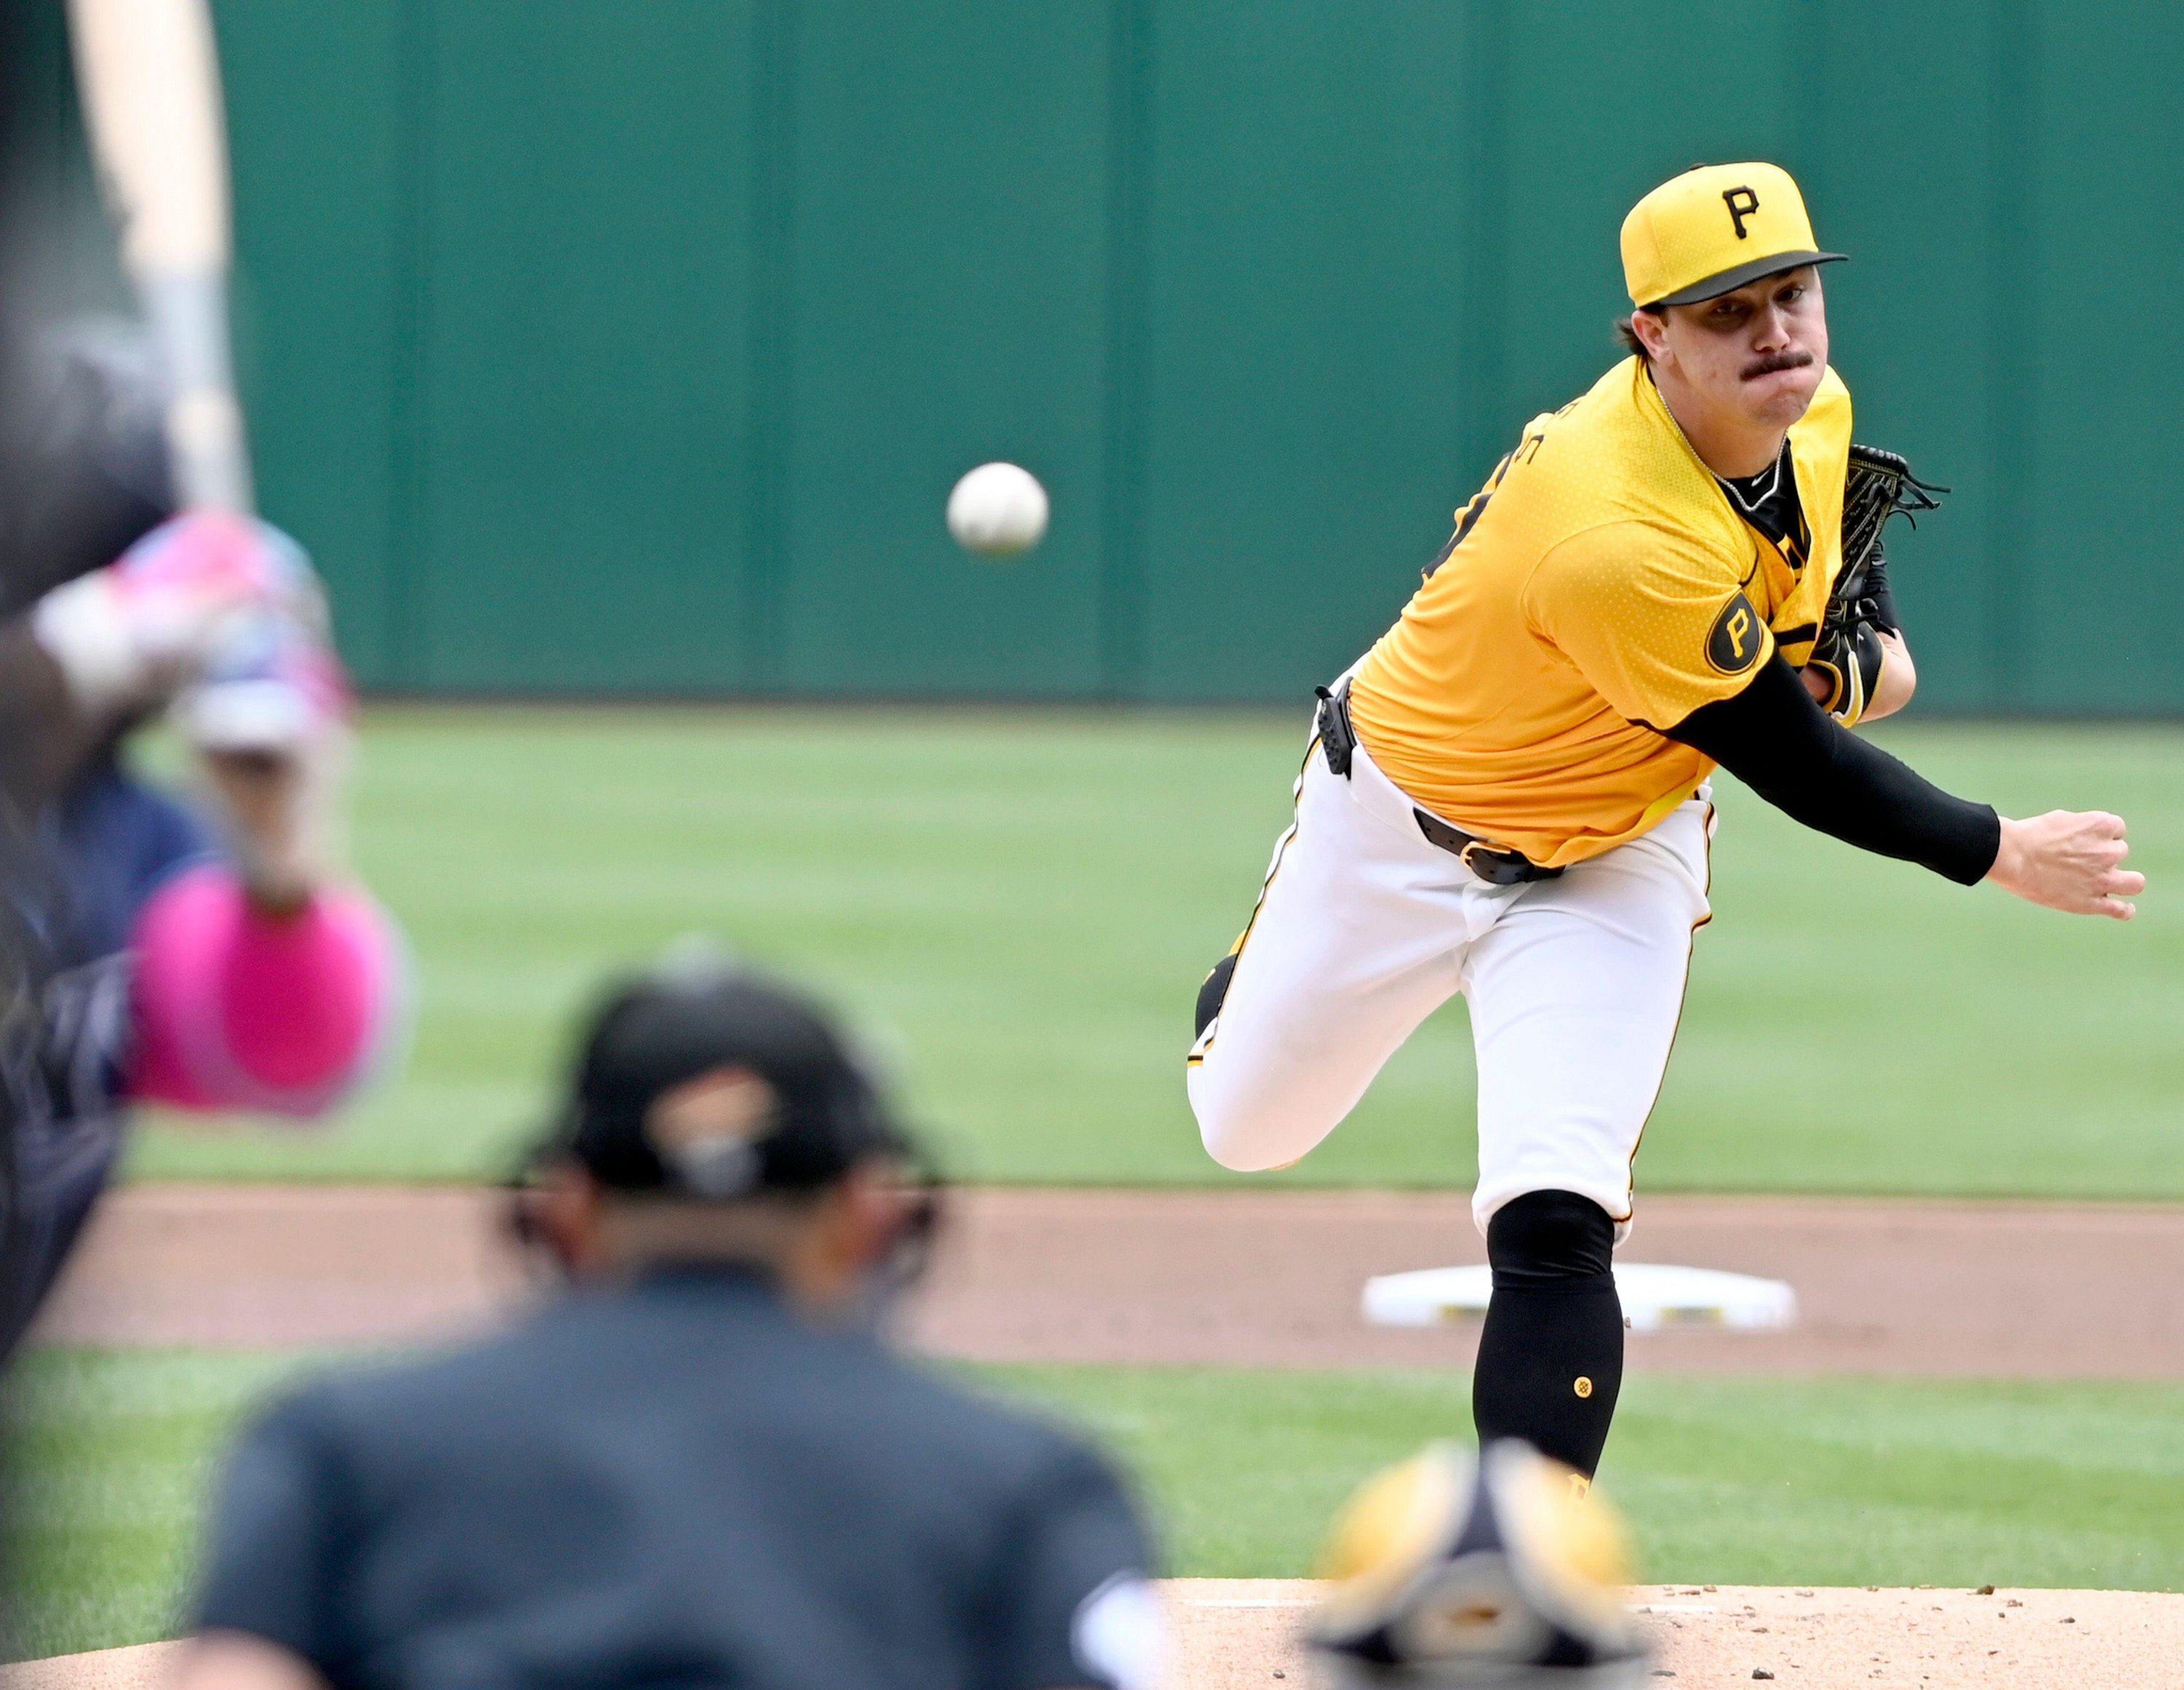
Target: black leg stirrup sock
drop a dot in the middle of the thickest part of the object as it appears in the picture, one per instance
(1550, 1358)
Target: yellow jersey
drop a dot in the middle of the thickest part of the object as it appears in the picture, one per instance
(1599, 589)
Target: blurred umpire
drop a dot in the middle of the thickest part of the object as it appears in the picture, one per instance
(699, 1464)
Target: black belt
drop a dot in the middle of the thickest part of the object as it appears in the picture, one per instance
(1496, 865)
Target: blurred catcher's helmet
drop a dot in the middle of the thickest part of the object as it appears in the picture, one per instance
(1500, 1573)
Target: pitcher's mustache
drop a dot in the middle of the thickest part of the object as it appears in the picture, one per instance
(1774, 361)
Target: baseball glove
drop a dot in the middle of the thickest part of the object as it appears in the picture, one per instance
(1848, 652)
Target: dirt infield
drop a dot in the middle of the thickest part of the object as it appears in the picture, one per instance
(1258, 1278)
(1237, 1634)
(1241, 1634)
(1272, 1278)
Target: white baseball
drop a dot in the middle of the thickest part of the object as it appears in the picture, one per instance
(998, 511)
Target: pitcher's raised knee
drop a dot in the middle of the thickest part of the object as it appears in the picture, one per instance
(1246, 1131)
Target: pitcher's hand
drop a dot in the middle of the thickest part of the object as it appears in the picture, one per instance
(2070, 861)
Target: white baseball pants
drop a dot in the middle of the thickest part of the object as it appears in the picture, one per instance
(1365, 928)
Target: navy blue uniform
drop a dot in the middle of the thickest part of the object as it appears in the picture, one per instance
(76, 886)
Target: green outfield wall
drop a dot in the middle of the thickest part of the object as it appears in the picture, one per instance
(631, 346)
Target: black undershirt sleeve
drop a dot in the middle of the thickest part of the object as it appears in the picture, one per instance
(1773, 737)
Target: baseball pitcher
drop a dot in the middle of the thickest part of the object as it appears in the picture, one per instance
(1507, 796)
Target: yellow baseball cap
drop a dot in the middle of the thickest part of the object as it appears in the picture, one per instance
(1712, 230)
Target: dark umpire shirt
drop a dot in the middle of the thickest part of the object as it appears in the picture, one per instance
(677, 1482)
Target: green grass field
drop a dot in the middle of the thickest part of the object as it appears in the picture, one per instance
(1835, 1481)
(1018, 907)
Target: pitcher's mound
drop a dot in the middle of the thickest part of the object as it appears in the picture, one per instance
(1234, 1633)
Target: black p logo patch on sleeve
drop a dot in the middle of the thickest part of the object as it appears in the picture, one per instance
(1738, 634)
(1741, 203)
